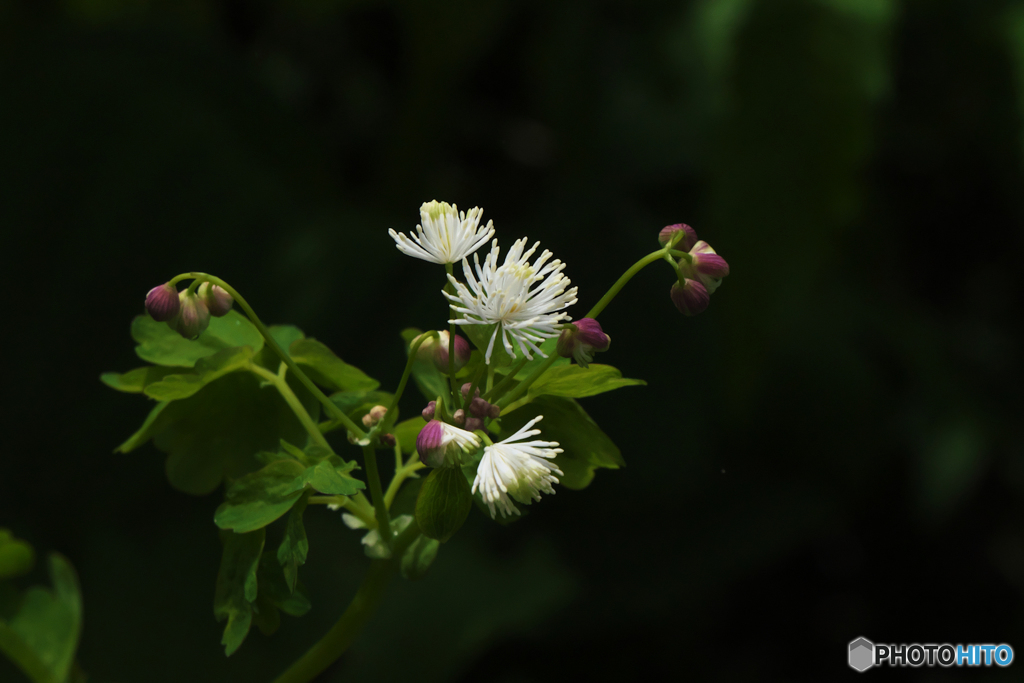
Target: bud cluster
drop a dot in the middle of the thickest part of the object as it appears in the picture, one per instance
(700, 270)
(187, 312)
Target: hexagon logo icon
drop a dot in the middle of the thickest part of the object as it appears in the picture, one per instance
(862, 654)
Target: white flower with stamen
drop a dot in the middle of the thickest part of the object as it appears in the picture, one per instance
(520, 470)
(522, 300)
(445, 235)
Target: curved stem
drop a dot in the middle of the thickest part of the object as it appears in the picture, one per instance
(525, 384)
(403, 473)
(333, 410)
(389, 417)
(621, 282)
(358, 612)
(293, 402)
(376, 494)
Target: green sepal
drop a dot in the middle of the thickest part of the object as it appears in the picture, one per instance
(257, 499)
(407, 431)
(135, 381)
(42, 636)
(180, 386)
(237, 585)
(585, 446)
(16, 556)
(215, 433)
(160, 345)
(573, 381)
(326, 369)
(294, 547)
(443, 503)
(418, 557)
(373, 544)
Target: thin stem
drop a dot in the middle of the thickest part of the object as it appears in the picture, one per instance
(516, 404)
(502, 386)
(389, 417)
(364, 512)
(334, 411)
(293, 402)
(621, 282)
(451, 346)
(373, 478)
(401, 474)
(525, 384)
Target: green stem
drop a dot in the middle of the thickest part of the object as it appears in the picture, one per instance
(525, 384)
(456, 403)
(389, 417)
(363, 511)
(376, 494)
(506, 382)
(401, 474)
(293, 402)
(621, 282)
(517, 404)
(334, 411)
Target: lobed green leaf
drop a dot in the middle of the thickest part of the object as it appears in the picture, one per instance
(572, 381)
(160, 345)
(294, 548)
(274, 587)
(257, 499)
(41, 638)
(326, 369)
(331, 477)
(585, 446)
(237, 585)
(443, 503)
(179, 386)
(135, 381)
(407, 431)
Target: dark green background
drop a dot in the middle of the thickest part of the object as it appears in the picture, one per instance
(834, 449)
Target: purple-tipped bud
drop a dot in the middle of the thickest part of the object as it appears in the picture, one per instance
(479, 407)
(466, 387)
(691, 297)
(459, 418)
(388, 440)
(193, 317)
(581, 339)
(709, 267)
(428, 412)
(688, 239)
(473, 424)
(162, 302)
(462, 352)
(430, 444)
(216, 298)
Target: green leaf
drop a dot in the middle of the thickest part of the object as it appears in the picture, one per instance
(444, 503)
(41, 638)
(257, 499)
(217, 432)
(295, 546)
(330, 477)
(177, 387)
(406, 433)
(429, 380)
(355, 404)
(373, 544)
(237, 585)
(160, 345)
(585, 446)
(16, 556)
(285, 336)
(572, 381)
(418, 557)
(549, 348)
(274, 587)
(134, 381)
(265, 614)
(326, 369)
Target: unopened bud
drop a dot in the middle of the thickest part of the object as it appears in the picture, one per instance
(375, 415)
(388, 440)
(479, 407)
(473, 424)
(581, 339)
(216, 298)
(688, 239)
(466, 387)
(462, 352)
(162, 302)
(493, 411)
(690, 297)
(459, 418)
(193, 317)
(425, 351)
(709, 266)
(428, 412)
(430, 444)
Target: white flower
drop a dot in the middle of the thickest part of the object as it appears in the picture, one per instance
(520, 470)
(520, 299)
(439, 443)
(445, 236)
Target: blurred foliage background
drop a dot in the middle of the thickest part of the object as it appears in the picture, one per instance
(832, 450)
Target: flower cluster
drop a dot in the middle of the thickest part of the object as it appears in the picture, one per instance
(188, 312)
(700, 270)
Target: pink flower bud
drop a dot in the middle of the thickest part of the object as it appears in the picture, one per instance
(462, 352)
(425, 352)
(428, 412)
(431, 444)
(581, 339)
(685, 242)
(216, 298)
(375, 415)
(388, 440)
(473, 424)
(459, 417)
(691, 297)
(162, 302)
(709, 266)
(467, 386)
(479, 407)
(493, 411)
(193, 317)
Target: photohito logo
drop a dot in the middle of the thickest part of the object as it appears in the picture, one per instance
(863, 654)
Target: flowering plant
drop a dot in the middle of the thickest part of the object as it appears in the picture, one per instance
(252, 407)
